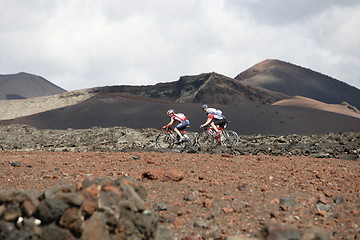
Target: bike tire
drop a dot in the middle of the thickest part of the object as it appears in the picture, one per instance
(204, 139)
(231, 138)
(164, 140)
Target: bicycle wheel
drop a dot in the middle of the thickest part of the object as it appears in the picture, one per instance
(204, 139)
(164, 140)
(231, 138)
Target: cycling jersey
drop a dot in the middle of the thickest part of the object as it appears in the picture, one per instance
(180, 117)
(215, 113)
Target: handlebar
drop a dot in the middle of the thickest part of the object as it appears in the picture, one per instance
(166, 129)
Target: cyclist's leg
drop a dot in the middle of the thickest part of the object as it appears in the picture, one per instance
(178, 129)
(213, 125)
(187, 135)
(221, 123)
(181, 126)
(178, 132)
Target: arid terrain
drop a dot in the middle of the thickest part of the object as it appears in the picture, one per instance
(312, 192)
(83, 164)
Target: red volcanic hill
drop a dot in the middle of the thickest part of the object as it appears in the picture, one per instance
(294, 80)
(25, 85)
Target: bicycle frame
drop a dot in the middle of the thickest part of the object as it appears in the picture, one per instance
(171, 132)
(170, 137)
(213, 133)
(225, 138)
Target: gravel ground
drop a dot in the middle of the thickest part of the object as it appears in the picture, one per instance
(251, 190)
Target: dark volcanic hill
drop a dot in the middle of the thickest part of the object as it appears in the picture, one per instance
(211, 88)
(25, 85)
(294, 80)
(124, 109)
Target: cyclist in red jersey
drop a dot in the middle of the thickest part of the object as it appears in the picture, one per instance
(180, 119)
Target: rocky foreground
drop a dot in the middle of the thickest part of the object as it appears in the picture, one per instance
(101, 209)
(112, 183)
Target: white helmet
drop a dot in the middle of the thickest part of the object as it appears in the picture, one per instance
(170, 111)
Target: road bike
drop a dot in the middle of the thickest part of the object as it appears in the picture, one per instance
(210, 138)
(168, 138)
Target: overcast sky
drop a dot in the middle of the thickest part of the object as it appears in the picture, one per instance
(78, 44)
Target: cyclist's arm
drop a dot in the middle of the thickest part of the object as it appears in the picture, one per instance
(208, 121)
(170, 123)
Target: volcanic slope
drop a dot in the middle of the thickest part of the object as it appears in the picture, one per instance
(294, 80)
(119, 109)
(24, 85)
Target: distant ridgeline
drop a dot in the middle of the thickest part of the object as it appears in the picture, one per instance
(25, 85)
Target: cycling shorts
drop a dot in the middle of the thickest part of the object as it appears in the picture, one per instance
(183, 124)
(219, 122)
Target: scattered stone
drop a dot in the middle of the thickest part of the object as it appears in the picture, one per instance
(207, 203)
(161, 206)
(325, 207)
(163, 174)
(201, 224)
(338, 199)
(190, 197)
(227, 210)
(277, 232)
(288, 201)
(322, 198)
(15, 164)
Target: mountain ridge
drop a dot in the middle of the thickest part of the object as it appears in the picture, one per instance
(25, 85)
(212, 88)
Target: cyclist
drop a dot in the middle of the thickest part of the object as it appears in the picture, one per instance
(215, 118)
(180, 119)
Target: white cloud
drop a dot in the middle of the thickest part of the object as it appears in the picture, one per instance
(336, 43)
(79, 44)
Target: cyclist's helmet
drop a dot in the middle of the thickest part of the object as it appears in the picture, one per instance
(170, 111)
(204, 106)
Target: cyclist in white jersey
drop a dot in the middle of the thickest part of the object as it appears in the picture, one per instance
(181, 121)
(215, 117)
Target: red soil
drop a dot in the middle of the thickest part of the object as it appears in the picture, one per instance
(211, 195)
